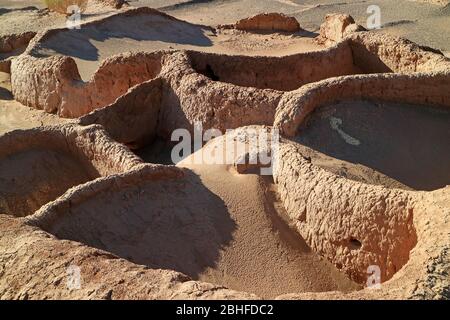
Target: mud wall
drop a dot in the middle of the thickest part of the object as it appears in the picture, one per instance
(353, 225)
(56, 85)
(279, 73)
(48, 161)
(190, 96)
(380, 52)
(49, 215)
(415, 88)
(179, 98)
(133, 118)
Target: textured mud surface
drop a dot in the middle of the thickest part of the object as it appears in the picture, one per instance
(360, 176)
(371, 138)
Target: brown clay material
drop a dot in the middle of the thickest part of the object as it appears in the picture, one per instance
(111, 213)
(269, 22)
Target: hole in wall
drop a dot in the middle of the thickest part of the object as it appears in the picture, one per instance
(354, 244)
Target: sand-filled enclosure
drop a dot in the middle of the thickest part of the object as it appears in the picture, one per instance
(359, 182)
(405, 158)
(39, 165)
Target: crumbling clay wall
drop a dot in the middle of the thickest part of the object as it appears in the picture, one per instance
(9, 43)
(179, 98)
(57, 86)
(373, 52)
(54, 84)
(336, 27)
(269, 22)
(279, 73)
(31, 251)
(353, 225)
(415, 88)
(192, 97)
(38, 165)
(380, 52)
(133, 118)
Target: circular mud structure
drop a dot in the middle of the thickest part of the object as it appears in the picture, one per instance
(392, 144)
(39, 165)
(188, 225)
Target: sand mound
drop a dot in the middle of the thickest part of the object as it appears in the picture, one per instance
(184, 225)
(341, 202)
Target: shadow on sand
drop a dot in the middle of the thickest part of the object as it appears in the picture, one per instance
(407, 143)
(168, 224)
(142, 27)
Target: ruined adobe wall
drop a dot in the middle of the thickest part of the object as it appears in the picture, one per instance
(425, 275)
(104, 276)
(49, 215)
(373, 52)
(11, 42)
(134, 117)
(53, 83)
(415, 88)
(178, 98)
(189, 97)
(269, 22)
(352, 224)
(50, 160)
(90, 145)
(279, 73)
(57, 86)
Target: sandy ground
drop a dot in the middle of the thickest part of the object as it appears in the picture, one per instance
(13, 4)
(43, 176)
(381, 143)
(91, 45)
(265, 256)
(233, 227)
(424, 23)
(22, 16)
